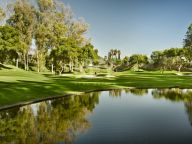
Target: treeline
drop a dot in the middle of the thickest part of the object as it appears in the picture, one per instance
(169, 59)
(46, 36)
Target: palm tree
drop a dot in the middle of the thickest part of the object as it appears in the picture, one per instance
(96, 51)
(119, 54)
(109, 56)
(111, 53)
(115, 53)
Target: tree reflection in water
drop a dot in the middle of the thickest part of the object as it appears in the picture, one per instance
(188, 107)
(62, 120)
(134, 91)
(138, 92)
(175, 95)
(115, 93)
(48, 122)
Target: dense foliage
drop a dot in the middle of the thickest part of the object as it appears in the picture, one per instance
(48, 37)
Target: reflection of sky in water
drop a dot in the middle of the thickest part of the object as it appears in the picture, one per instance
(35, 108)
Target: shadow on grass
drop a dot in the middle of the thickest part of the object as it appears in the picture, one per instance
(22, 90)
(4, 67)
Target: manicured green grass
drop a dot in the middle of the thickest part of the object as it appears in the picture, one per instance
(17, 85)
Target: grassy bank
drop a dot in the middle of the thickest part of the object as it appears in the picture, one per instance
(17, 85)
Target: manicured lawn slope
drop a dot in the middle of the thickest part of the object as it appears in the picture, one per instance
(17, 85)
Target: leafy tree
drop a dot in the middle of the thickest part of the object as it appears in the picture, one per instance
(60, 57)
(87, 53)
(173, 58)
(44, 31)
(125, 60)
(156, 56)
(45, 5)
(78, 28)
(9, 43)
(163, 63)
(42, 38)
(180, 61)
(188, 42)
(138, 59)
(58, 37)
(23, 20)
(176, 57)
(63, 35)
(63, 55)
(56, 33)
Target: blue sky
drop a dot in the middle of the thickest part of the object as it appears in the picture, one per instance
(135, 26)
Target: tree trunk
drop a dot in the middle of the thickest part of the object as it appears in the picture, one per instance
(64, 67)
(81, 67)
(27, 62)
(60, 72)
(170, 68)
(17, 63)
(52, 66)
(69, 66)
(163, 69)
(52, 71)
(179, 68)
(38, 66)
(137, 66)
(72, 67)
(25, 65)
(38, 62)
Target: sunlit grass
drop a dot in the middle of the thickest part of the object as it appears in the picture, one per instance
(17, 85)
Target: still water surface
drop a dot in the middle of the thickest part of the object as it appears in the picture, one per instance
(135, 116)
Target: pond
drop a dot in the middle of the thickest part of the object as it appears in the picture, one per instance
(135, 116)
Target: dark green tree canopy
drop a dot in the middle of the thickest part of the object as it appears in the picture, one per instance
(9, 38)
(9, 43)
(138, 59)
(188, 38)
